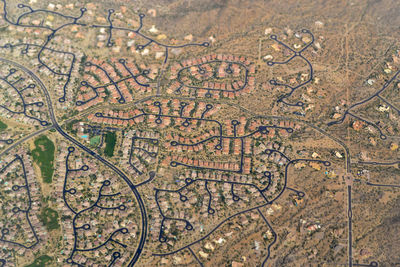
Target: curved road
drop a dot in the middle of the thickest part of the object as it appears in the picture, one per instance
(25, 138)
(109, 164)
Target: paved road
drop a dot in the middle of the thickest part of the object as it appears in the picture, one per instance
(350, 225)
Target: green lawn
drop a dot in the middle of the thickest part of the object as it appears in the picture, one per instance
(3, 126)
(95, 140)
(42, 261)
(43, 155)
(49, 218)
(110, 140)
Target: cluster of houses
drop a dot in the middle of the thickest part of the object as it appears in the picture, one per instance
(282, 131)
(213, 76)
(113, 79)
(207, 164)
(230, 146)
(14, 113)
(21, 99)
(191, 112)
(196, 209)
(222, 239)
(139, 149)
(177, 143)
(120, 38)
(103, 222)
(15, 227)
(55, 60)
(276, 157)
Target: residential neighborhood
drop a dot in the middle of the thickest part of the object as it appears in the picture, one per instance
(199, 133)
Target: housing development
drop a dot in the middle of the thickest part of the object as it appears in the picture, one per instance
(199, 133)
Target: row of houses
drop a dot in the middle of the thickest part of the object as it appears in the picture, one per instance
(139, 149)
(125, 118)
(210, 164)
(206, 59)
(194, 144)
(205, 68)
(116, 78)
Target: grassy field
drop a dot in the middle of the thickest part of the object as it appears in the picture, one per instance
(42, 261)
(43, 155)
(95, 140)
(110, 140)
(49, 218)
(3, 126)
